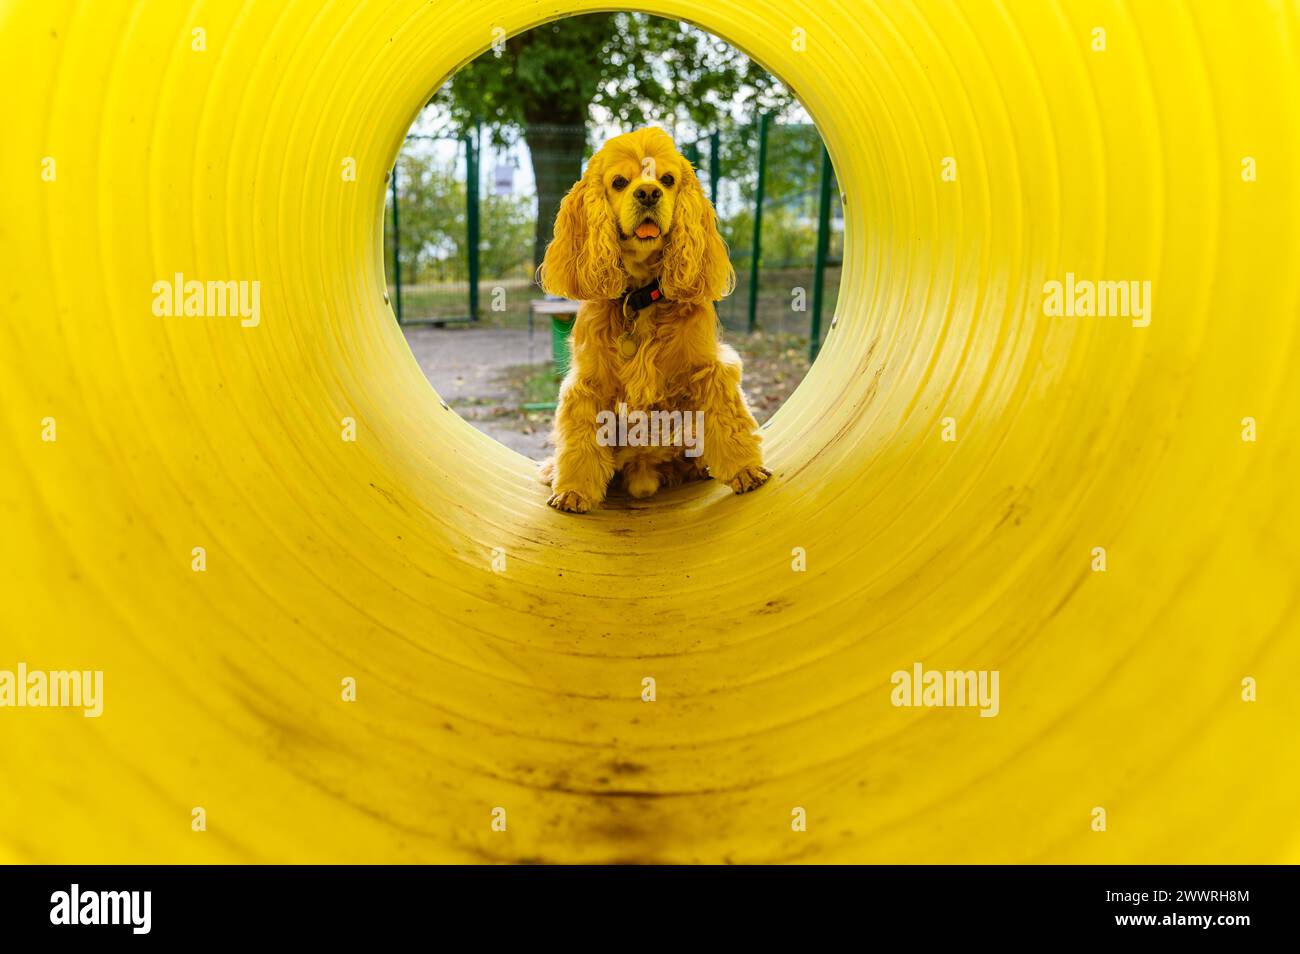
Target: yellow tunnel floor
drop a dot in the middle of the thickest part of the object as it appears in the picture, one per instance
(1102, 510)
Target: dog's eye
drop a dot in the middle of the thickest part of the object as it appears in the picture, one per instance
(619, 184)
(667, 181)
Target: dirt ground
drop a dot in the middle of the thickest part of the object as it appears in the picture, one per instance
(467, 366)
(486, 375)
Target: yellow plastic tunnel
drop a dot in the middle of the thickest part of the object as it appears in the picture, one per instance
(388, 649)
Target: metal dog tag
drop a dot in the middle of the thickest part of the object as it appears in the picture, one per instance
(627, 345)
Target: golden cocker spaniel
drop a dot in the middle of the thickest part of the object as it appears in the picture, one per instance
(651, 393)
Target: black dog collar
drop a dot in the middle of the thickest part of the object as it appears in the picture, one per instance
(642, 297)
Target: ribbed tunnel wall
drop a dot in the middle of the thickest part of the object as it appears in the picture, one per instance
(522, 689)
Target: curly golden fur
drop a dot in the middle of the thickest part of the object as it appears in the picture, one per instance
(637, 214)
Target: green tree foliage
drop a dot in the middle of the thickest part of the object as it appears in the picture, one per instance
(627, 69)
(432, 203)
(790, 195)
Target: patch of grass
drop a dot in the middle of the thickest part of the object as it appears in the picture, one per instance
(533, 384)
(450, 300)
(526, 384)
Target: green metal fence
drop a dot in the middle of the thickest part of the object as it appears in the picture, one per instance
(782, 200)
(432, 240)
(461, 241)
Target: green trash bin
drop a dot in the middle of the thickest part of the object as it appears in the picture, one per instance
(561, 353)
(562, 314)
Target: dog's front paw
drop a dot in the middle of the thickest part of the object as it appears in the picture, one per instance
(749, 478)
(569, 501)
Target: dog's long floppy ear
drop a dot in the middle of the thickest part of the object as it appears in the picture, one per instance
(696, 266)
(583, 262)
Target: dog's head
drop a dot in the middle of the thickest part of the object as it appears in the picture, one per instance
(637, 208)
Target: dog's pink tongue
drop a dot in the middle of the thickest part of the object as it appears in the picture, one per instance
(647, 230)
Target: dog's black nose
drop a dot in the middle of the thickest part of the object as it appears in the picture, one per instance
(648, 197)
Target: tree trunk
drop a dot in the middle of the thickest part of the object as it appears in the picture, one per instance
(556, 150)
